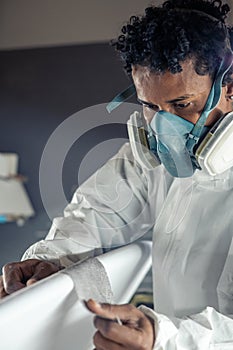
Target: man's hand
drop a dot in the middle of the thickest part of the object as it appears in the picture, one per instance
(135, 333)
(18, 275)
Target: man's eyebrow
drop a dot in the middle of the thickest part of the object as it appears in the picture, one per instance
(180, 98)
(145, 102)
(177, 99)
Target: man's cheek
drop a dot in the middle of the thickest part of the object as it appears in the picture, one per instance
(148, 114)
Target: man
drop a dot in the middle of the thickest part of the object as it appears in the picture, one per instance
(180, 59)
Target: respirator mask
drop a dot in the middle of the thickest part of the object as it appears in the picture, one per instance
(181, 146)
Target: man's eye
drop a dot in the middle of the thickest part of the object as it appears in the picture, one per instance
(182, 105)
(151, 106)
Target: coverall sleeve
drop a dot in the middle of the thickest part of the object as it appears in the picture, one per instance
(206, 330)
(108, 210)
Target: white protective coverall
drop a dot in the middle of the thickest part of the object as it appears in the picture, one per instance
(192, 226)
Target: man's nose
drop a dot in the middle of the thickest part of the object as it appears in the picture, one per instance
(150, 113)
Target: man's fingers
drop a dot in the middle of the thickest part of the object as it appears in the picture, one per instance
(127, 313)
(116, 333)
(2, 289)
(42, 270)
(93, 306)
(31, 281)
(105, 344)
(21, 274)
(13, 278)
(134, 332)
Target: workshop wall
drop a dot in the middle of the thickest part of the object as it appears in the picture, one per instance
(39, 89)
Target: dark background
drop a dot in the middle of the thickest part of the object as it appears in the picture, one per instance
(40, 88)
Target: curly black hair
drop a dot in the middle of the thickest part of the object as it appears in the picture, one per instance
(178, 29)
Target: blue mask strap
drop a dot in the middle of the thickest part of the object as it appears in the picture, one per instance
(213, 99)
(119, 99)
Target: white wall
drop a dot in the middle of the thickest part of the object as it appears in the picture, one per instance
(33, 23)
(28, 23)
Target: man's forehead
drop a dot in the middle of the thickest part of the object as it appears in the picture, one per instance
(187, 82)
(143, 74)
